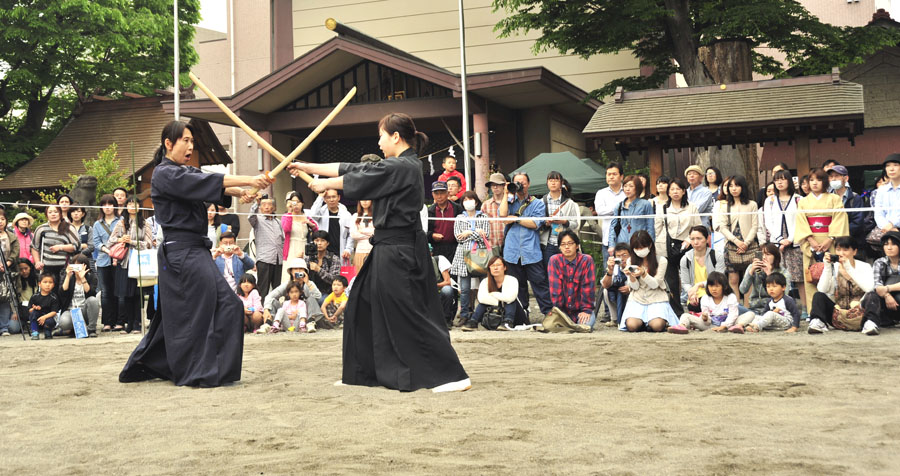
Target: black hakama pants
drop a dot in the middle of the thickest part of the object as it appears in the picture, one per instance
(197, 338)
(395, 335)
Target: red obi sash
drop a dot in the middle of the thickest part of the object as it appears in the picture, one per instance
(819, 224)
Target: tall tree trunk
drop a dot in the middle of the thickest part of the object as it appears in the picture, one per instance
(730, 61)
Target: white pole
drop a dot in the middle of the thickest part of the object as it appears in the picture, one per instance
(177, 81)
(232, 167)
(465, 96)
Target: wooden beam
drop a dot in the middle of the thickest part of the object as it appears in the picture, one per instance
(801, 154)
(655, 160)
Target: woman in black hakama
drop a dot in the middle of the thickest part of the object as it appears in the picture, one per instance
(394, 331)
(197, 338)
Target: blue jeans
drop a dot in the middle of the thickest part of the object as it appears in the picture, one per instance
(509, 313)
(448, 303)
(617, 299)
(465, 294)
(5, 313)
(548, 250)
(536, 274)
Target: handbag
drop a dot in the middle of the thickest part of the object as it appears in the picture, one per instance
(477, 259)
(143, 267)
(673, 246)
(814, 272)
(348, 271)
(118, 250)
(734, 256)
(874, 236)
(848, 319)
(491, 319)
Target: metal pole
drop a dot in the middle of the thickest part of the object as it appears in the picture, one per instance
(177, 80)
(465, 96)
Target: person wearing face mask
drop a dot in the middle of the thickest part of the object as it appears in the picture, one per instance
(648, 305)
(838, 178)
(558, 202)
(472, 231)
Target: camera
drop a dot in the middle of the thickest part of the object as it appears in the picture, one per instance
(634, 268)
(77, 267)
(514, 187)
(618, 261)
(264, 196)
(834, 258)
(311, 248)
(229, 248)
(299, 275)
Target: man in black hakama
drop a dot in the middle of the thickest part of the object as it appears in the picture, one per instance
(197, 338)
(394, 331)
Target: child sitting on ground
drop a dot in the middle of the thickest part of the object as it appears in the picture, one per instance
(253, 316)
(43, 307)
(716, 306)
(333, 305)
(292, 315)
(782, 314)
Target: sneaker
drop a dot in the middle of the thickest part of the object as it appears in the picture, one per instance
(470, 325)
(92, 333)
(679, 329)
(34, 335)
(816, 326)
(736, 329)
(48, 335)
(459, 386)
(311, 327)
(870, 329)
(4, 333)
(504, 326)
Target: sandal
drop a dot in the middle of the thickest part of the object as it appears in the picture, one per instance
(118, 328)
(136, 331)
(106, 329)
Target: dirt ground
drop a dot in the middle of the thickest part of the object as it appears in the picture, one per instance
(601, 403)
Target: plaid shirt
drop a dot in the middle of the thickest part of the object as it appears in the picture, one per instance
(883, 270)
(572, 283)
(491, 208)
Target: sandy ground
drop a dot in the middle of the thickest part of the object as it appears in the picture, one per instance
(602, 403)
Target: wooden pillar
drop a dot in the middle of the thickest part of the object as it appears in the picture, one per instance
(655, 160)
(479, 175)
(801, 153)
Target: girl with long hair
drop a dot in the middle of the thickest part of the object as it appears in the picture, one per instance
(738, 221)
(361, 229)
(137, 235)
(648, 303)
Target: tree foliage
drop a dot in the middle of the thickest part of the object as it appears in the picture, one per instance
(55, 54)
(105, 167)
(660, 31)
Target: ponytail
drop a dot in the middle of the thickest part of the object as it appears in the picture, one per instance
(159, 155)
(421, 142)
(172, 131)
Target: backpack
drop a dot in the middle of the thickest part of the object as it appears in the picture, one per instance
(712, 256)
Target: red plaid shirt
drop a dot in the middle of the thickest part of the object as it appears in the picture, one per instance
(572, 283)
(491, 208)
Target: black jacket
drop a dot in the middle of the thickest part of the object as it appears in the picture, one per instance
(65, 296)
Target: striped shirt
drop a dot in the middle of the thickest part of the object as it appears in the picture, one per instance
(46, 237)
(268, 236)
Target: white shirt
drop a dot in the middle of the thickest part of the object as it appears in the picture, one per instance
(605, 204)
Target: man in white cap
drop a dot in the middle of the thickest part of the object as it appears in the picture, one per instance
(299, 273)
(698, 194)
(496, 184)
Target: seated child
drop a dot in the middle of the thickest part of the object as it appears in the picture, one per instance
(782, 314)
(717, 305)
(292, 315)
(333, 306)
(253, 316)
(43, 307)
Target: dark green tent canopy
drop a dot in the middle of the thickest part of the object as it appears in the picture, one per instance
(584, 175)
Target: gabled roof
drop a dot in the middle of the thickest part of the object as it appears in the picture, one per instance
(101, 123)
(514, 89)
(748, 112)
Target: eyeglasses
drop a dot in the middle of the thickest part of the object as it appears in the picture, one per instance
(567, 243)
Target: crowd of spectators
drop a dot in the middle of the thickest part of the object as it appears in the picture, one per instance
(700, 254)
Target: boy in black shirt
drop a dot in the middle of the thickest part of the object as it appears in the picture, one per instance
(43, 308)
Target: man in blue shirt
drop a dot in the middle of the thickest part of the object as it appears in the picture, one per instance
(887, 200)
(522, 245)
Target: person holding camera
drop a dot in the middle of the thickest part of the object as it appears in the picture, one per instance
(231, 260)
(310, 293)
(648, 305)
(615, 283)
(845, 281)
(297, 229)
(269, 239)
(522, 250)
(882, 307)
(79, 290)
(324, 265)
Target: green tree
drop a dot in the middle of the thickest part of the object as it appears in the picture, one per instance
(708, 41)
(106, 168)
(55, 54)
